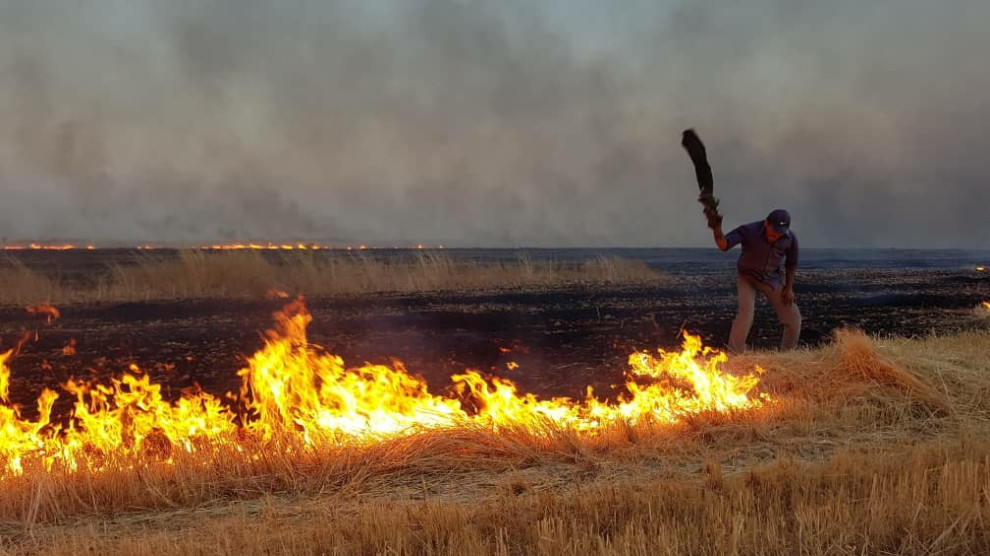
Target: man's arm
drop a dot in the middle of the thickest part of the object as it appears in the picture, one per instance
(729, 240)
(788, 292)
(789, 278)
(720, 240)
(790, 269)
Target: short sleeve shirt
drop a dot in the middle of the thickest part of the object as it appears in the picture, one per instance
(761, 259)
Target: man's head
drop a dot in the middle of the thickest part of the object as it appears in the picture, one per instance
(777, 224)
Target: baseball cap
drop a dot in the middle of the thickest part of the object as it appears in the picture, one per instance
(780, 219)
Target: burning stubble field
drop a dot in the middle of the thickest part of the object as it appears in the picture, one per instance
(354, 425)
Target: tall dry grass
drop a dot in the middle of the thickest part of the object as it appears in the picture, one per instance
(21, 285)
(203, 274)
(872, 446)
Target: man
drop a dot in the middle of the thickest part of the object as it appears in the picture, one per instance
(766, 265)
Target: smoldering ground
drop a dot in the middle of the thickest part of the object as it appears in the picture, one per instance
(481, 123)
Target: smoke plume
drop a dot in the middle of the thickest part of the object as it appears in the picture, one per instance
(492, 123)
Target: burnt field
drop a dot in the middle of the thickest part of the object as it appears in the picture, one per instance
(563, 337)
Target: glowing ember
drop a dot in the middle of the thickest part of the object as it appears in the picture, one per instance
(275, 293)
(291, 387)
(265, 246)
(981, 269)
(273, 246)
(41, 247)
(237, 246)
(44, 309)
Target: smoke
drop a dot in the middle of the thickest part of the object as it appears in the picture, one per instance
(494, 124)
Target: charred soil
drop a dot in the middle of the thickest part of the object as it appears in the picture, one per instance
(562, 339)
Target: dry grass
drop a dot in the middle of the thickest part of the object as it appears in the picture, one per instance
(240, 274)
(22, 286)
(922, 501)
(873, 446)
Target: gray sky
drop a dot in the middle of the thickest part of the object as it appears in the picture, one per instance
(503, 123)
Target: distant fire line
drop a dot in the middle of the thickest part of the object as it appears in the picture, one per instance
(253, 246)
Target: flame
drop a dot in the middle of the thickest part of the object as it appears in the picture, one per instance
(297, 246)
(288, 385)
(235, 246)
(981, 269)
(40, 247)
(275, 293)
(265, 246)
(291, 387)
(70, 348)
(985, 305)
(44, 309)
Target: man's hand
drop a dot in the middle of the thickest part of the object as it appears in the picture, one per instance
(788, 296)
(710, 204)
(720, 240)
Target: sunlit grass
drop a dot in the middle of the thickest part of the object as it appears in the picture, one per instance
(251, 274)
(875, 446)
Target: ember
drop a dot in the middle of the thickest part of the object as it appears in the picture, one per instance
(42, 247)
(44, 309)
(275, 293)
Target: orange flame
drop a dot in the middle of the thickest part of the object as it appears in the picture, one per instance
(70, 348)
(235, 246)
(44, 309)
(275, 293)
(39, 247)
(291, 387)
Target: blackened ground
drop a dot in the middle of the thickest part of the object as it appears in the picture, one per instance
(562, 339)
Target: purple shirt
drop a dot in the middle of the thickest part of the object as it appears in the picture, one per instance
(761, 259)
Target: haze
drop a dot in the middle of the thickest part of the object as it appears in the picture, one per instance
(509, 123)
